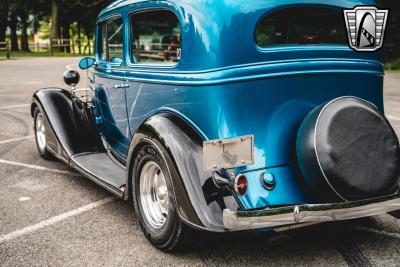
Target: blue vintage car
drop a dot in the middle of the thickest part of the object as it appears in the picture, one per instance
(227, 115)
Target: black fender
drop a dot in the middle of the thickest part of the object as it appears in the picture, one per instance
(70, 125)
(199, 202)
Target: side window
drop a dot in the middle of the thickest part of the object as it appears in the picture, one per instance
(112, 41)
(156, 37)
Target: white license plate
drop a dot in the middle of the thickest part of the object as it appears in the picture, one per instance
(228, 153)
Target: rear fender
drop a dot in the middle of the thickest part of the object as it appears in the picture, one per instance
(199, 202)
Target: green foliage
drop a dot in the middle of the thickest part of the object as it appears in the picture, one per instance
(37, 13)
(392, 65)
(44, 28)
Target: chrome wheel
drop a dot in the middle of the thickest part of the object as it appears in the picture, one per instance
(40, 133)
(154, 195)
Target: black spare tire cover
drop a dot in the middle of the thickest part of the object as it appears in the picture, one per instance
(347, 150)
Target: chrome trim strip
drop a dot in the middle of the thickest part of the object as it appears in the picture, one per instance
(252, 71)
(209, 81)
(275, 217)
(57, 155)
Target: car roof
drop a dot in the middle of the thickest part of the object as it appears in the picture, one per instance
(222, 31)
(119, 3)
(245, 5)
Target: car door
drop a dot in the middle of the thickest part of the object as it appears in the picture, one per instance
(155, 44)
(110, 88)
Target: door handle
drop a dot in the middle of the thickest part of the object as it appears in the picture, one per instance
(121, 86)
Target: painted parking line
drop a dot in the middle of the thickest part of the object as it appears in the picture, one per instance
(392, 118)
(15, 106)
(16, 139)
(37, 167)
(376, 231)
(54, 220)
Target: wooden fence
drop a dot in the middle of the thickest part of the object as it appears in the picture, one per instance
(5, 47)
(74, 46)
(68, 46)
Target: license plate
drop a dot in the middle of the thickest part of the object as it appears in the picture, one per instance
(228, 153)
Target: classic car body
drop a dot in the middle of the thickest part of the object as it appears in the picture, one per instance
(225, 86)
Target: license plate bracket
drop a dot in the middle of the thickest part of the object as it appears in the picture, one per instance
(228, 153)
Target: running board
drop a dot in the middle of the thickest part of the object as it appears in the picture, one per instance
(101, 169)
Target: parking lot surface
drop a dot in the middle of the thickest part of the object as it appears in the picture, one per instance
(50, 215)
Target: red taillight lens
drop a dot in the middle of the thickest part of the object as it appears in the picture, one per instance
(241, 184)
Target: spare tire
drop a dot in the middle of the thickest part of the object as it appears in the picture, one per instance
(347, 150)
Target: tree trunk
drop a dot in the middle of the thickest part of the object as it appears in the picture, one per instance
(24, 34)
(13, 31)
(79, 39)
(90, 49)
(4, 7)
(66, 36)
(55, 28)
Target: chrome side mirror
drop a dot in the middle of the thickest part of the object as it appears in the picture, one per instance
(86, 63)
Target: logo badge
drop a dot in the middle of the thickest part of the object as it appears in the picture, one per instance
(365, 27)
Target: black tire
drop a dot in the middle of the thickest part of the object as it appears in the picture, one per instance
(174, 234)
(43, 152)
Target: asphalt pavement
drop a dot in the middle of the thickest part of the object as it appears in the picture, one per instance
(52, 216)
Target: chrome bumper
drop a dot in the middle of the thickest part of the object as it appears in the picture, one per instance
(309, 213)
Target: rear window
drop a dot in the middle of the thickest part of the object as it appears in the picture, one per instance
(301, 26)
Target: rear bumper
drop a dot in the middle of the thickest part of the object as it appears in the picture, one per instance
(309, 213)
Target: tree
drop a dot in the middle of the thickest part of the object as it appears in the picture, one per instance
(87, 19)
(23, 15)
(13, 24)
(392, 36)
(19, 9)
(55, 27)
(4, 7)
(64, 13)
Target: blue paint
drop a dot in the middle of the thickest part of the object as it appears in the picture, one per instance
(226, 86)
(99, 120)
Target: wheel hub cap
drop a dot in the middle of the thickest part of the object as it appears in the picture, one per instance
(40, 133)
(154, 195)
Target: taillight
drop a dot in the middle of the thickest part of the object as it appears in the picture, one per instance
(241, 184)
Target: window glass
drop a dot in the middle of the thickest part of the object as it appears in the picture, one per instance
(156, 37)
(112, 41)
(306, 25)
